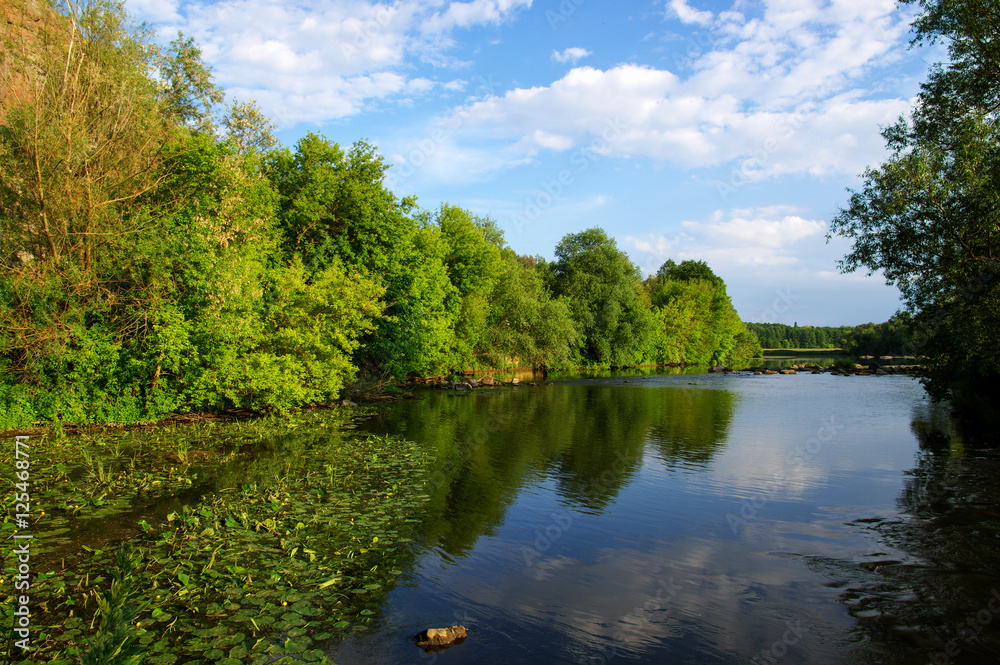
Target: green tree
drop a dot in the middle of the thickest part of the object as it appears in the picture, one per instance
(187, 86)
(687, 270)
(248, 128)
(605, 297)
(473, 262)
(696, 323)
(525, 325)
(81, 152)
(929, 216)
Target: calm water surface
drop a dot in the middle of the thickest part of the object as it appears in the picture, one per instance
(697, 519)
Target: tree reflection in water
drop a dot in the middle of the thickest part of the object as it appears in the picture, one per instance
(930, 592)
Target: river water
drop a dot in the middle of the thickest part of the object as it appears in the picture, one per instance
(697, 519)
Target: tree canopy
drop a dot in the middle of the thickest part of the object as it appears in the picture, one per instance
(928, 217)
(162, 253)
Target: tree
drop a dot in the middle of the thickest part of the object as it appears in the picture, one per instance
(525, 325)
(188, 91)
(247, 128)
(696, 323)
(605, 297)
(473, 260)
(687, 270)
(929, 216)
(82, 148)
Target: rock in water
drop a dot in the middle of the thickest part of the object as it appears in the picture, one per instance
(438, 639)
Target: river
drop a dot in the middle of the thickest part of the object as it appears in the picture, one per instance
(696, 519)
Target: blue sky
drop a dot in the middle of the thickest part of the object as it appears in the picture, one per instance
(687, 129)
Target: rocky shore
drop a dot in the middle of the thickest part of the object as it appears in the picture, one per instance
(857, 369)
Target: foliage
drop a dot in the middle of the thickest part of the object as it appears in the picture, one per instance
(472, 260)
(695, 321)
(784, 336)
(115, 641)
(526, 326)
(247, 128)
(334, 206)
(303, 354)
(153, 267)
(187, 87)
(687, 271)
(295, 533)
(891, 338)
(605, 297)
(928, 216)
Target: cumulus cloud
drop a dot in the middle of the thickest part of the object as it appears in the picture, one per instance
(327, 59)
(734, 239)
(681, 10)
(774, 95)
(468, 14)
(776, 263)
(571, 55)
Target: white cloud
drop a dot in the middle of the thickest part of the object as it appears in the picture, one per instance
(774, 95)
(776, 263)
(468, 14)
(570, 55)
(681, 10)
(734, 240)
(326, 59)
(765, 228)
(154, 10)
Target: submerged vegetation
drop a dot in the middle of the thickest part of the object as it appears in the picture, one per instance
(253, 540)
(161, 253)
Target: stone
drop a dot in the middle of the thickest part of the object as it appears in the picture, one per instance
(515, 381)
(438, 639)
(487, 381)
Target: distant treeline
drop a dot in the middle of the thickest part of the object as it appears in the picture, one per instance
(783, 336)
(160, 254)
(890, 338)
